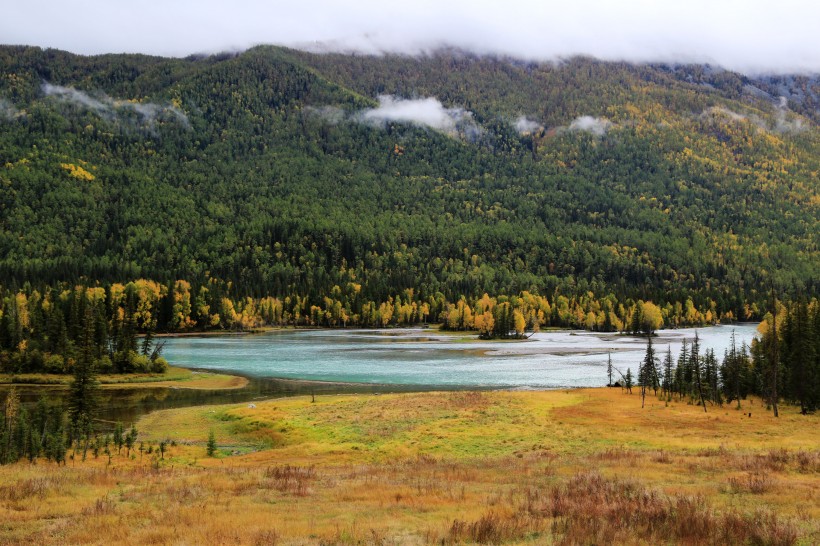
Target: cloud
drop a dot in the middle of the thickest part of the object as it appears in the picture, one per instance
(525, 125)
(108, 108)
(721, 112)
(427, 112)
(69, 94)
(784, 125)
(589, 124)
(330, 114)
(751, 36)
(150, 112)
(8, 110)
(783, 121)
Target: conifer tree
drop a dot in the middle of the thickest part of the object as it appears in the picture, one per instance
(668, 374)
(83, 392)
(730, 372)
(647, 370)
(609, 368)
(695, 365)
(683, 375)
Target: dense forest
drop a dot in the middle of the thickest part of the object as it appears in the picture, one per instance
(344, 188)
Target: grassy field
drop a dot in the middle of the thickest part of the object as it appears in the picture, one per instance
(554, 467)
(182, 378)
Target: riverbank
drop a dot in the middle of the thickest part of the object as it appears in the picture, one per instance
(174, 377)
(574, 466)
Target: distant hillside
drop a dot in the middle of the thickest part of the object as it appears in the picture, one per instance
(285, 172)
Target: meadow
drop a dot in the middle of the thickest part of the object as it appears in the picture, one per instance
(522, 467)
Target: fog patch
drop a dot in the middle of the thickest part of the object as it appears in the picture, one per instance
(721, 112)
(71, 95)
(526, 126)
(781, 123)
(151, 112)
(8, 111)
(114, 110)
(330, 114)
(783, 120)
(589, 124)
(427, 112)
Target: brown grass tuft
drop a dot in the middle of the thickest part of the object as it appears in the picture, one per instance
(32, 487)
(808, 461)
(101, 507)
(266, 537)
(491, 528)
(752, 482)
(291, 479)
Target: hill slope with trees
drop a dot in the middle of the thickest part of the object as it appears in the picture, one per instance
(362, 179)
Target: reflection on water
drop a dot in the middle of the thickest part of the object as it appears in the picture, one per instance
(128, 404)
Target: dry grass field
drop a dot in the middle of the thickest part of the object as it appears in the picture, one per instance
(553, 467)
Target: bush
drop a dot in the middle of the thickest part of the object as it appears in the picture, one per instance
(159, 365)
(104, 365)
(35, 361)
(54, 364)
(140, 363)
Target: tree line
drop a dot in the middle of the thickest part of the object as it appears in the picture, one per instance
(57, 329)
(783, 364)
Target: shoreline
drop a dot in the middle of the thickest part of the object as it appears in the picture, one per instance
(177, 377)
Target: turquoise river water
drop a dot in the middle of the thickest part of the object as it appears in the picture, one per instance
(429, 358)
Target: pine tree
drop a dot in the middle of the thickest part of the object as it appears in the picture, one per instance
(695, 365)
(84, 387)
(774, 359)
(609, 368)
(682, 373)
(130, 440)
(118, 440)
(712, 378)
(211, 447)
(668, 373)
(647, 370)
(800, 358)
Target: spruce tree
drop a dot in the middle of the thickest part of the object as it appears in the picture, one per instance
(682, 373)
(695, 365)
(609, 368)
(647, 370)
(668, 374)
(82, 407)
(211, 448)
(119, 439)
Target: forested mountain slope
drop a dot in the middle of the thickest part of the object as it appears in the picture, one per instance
(289, 173)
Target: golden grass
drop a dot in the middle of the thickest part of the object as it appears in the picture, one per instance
(581, 466)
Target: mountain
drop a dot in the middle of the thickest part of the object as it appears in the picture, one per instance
(291, 173)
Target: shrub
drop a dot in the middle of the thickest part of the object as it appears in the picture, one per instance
(54, 364)
(104, 365)
(159, 365)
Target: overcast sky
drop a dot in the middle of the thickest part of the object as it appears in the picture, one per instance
(745, 35)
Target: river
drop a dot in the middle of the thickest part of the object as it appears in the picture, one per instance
(431, 359)
(324, 362)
